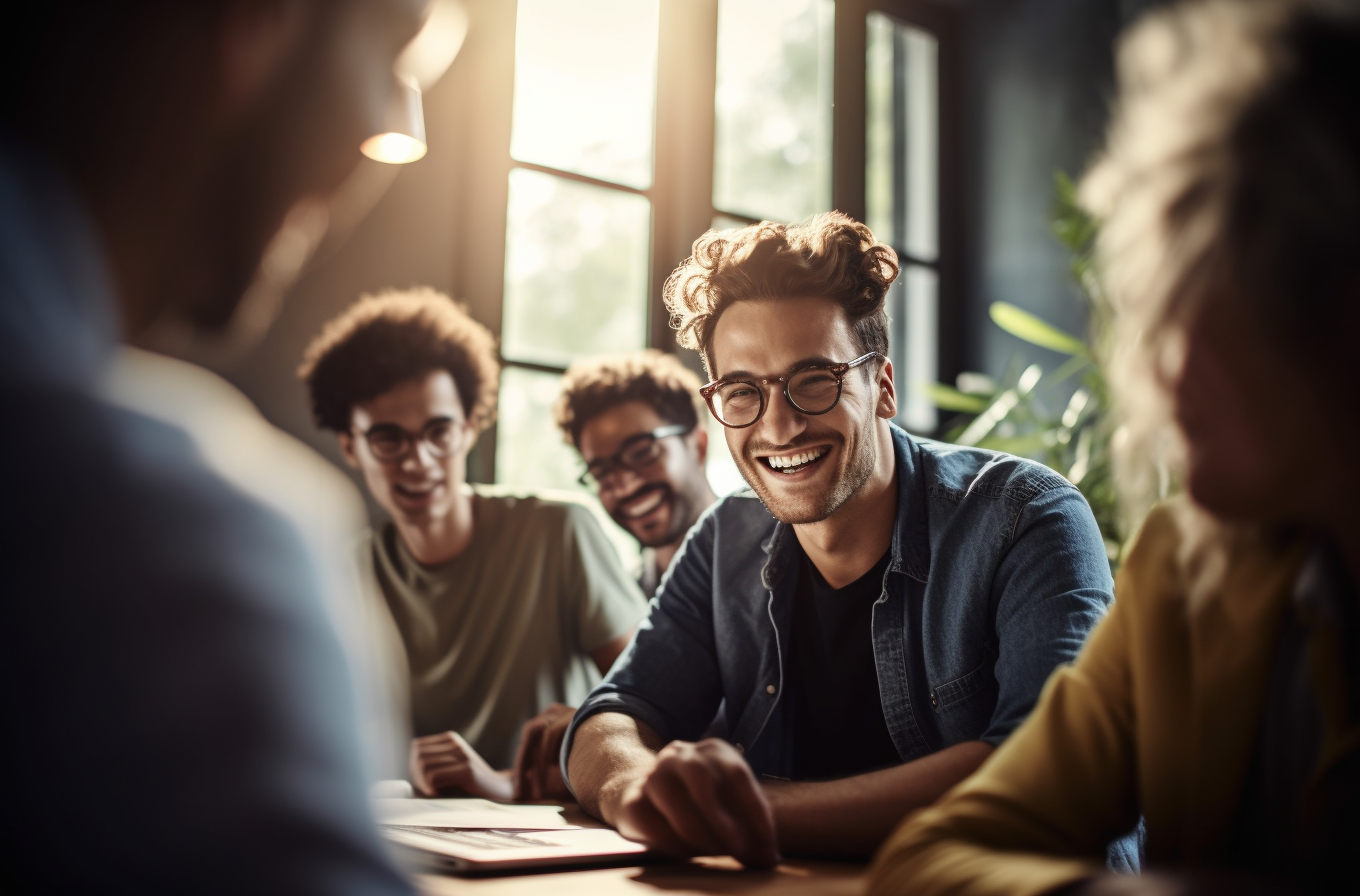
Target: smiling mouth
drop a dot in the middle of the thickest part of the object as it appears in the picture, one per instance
(642, 503)
(789, 464)
(416, 491)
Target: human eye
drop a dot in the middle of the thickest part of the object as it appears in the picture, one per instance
(642, 453)
(440, 433)
(814, 382)
(386, 441)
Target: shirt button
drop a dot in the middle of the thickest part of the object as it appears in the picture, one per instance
(934, 700)
(769, 689)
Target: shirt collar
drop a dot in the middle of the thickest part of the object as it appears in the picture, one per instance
(910, 540)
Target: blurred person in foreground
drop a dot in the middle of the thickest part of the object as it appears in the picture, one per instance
(871, 618)
(166, 655)
(1221, 697)
(507, 608)
(635, 420)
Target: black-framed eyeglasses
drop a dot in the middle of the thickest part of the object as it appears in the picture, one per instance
(389, 442)
(814, 389)
(637, 453)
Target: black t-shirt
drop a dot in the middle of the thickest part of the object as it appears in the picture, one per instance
(838, 724)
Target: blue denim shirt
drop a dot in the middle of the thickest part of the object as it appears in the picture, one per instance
(997, 574)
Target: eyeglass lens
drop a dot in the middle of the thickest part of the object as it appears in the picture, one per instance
(814, 390)
(393, 442)
(635, 457)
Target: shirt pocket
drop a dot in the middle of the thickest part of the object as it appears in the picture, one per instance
(968, 690)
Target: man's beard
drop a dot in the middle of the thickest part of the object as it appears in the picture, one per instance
(676, 512)
(855, 470)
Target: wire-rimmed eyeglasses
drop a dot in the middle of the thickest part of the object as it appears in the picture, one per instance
(637, 453)
(388, 442)
(814, 389)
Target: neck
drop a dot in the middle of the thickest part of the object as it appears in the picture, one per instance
(847, 544)
(437, 541)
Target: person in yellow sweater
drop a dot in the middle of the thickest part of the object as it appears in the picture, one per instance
(1220, 699)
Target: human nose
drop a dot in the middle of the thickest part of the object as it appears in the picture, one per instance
(781, 422)
(619, 481)
(419, 455)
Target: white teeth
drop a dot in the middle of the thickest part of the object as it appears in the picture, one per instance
(645, 506)
(795, 460)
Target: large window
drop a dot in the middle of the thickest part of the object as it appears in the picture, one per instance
(634, 125)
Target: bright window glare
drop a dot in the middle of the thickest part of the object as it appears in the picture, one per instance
(773, 103)
(585, 87)
(913, 306)
(575, 269)
(901, 166)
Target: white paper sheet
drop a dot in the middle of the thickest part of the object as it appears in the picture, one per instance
(470, 814)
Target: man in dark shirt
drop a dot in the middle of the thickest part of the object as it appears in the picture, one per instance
(869, 621)
(178, 718)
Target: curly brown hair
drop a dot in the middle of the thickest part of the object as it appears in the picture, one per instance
(595, 385)
(829, 255)
(384, 339)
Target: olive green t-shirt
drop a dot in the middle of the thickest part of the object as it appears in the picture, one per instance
(507, 627)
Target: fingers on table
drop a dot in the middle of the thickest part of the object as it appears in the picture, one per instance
(539, 746)
(439, 761)
(701, 799)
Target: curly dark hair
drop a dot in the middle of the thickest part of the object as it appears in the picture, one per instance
(382, 340)
(593, 386)
(829, 255)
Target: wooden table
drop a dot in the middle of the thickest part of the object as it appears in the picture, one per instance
(708, 875)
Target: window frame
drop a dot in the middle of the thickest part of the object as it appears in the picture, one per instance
(681, 192)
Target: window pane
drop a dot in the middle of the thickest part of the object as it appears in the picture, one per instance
(576, 259)
(901, 168)
(585, 87)
(773, 102)
(531, 455)
(912, 305)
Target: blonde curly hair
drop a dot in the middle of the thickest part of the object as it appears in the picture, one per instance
(1232, 169)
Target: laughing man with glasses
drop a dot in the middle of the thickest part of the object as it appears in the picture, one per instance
(635, 419)
(870, 619)
(508, 607)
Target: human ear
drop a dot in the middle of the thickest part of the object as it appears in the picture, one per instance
(886, 406)
(701, 444)
(347, 451)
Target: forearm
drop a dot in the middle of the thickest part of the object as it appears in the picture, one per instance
(608, 751)
(853, 816)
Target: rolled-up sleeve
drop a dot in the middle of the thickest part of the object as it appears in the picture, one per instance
(668, 677)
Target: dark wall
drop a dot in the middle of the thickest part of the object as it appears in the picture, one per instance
(1037, 79)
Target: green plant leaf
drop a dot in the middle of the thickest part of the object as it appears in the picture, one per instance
(947, 398)
(1034, 329)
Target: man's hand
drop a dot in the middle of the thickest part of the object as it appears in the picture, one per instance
(442, 762)
(698, 800)
(537, 774)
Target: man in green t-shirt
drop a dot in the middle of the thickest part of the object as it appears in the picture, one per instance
(508, 608)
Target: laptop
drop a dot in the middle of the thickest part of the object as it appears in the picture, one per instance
(492, 851)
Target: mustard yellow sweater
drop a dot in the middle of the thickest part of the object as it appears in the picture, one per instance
(1157, 716)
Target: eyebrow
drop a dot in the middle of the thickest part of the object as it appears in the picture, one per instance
(425, 425)
(814, 361)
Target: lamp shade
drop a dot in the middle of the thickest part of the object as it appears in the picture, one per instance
(403, 140)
